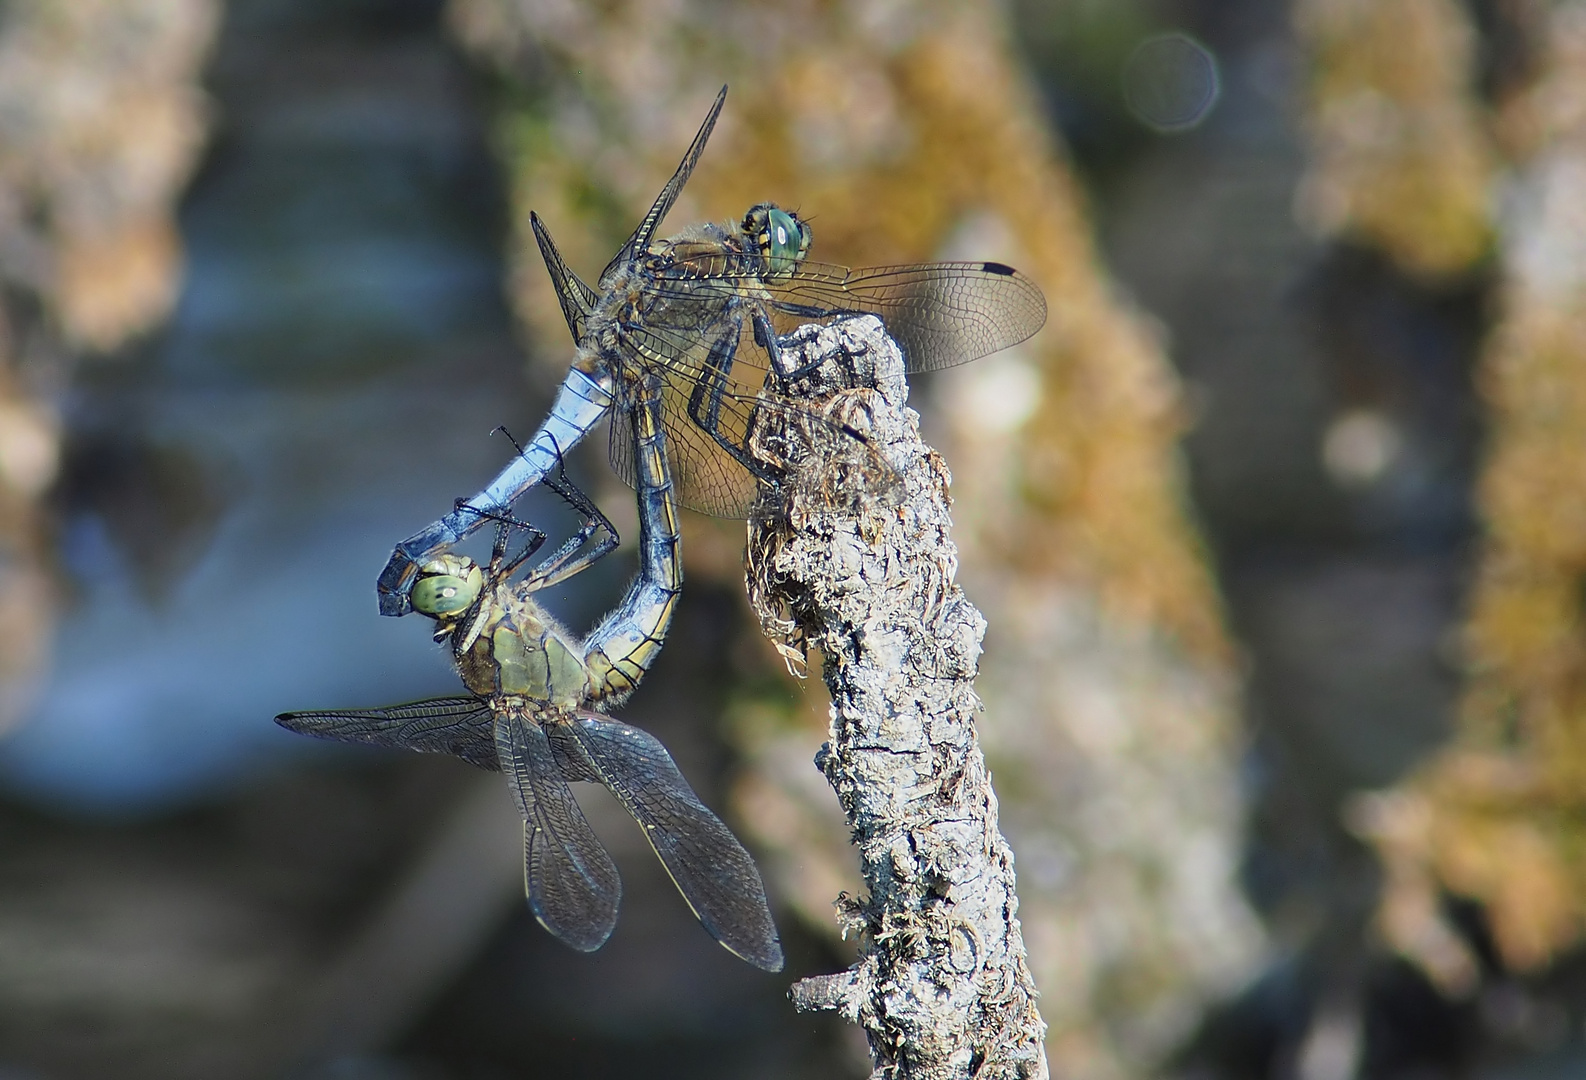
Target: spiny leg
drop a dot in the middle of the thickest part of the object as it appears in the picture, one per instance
(765, 337)
(704, 404)
(583, 399)
(505, 524)
(562, 565)
(556, 567)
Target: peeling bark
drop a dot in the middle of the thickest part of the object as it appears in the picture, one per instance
(942, 987)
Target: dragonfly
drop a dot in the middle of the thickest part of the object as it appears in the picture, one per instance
(535, 711)
(678, 311)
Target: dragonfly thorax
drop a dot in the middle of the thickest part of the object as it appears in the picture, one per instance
(517, 649)
(623, 301)
(503, 643)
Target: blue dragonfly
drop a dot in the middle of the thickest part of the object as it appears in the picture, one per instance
(535, 710)
(672, 316)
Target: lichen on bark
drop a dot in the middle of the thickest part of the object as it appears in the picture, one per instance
(942, 987)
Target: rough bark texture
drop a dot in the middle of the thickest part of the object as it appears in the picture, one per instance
(943, 986)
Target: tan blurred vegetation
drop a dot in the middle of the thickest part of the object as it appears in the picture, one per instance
(1401, 153)
(1496, 817)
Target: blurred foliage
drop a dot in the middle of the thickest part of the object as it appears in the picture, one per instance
(1401, 154)
(908, 133)
(1080, 47)
(101, 121)
(1497, 816)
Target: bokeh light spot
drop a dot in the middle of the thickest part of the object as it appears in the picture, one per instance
(1359, 446)
(1171, 82)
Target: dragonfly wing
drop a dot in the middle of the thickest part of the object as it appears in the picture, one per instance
(577, 299)
(460, 726)
(572, 884)
(640, 240)
(706, 476)
(572, 761)
(709, 866)
(942, 314)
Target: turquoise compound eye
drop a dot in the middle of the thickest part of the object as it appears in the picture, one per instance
(446, 594)
(784, 240)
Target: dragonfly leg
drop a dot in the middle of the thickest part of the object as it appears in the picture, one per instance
(580, 404)
(554, 568)
(562, 564)
(765, 337)
(499, 567)
(462, 505)
(574, 496)
(704, 404)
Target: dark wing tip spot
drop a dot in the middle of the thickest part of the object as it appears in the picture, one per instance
(998, 268)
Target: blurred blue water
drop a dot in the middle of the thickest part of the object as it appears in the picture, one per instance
(340, 352)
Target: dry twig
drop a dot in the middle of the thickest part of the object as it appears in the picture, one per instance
(942, 987)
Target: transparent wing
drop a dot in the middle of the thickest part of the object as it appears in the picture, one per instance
(578, 300)
(640, 240)
(942, 314)
(460, 726)
(708, 864)
(572, 884)
(710, 480)
(706, 476)
(571, 761)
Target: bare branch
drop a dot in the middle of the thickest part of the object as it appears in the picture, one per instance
(942, 988)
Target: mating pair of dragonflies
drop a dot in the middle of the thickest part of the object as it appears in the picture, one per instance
(678, 346)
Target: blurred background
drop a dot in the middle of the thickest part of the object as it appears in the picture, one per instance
(1276, 525)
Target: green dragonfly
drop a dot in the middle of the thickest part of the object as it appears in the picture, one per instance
(535, 711)
(676, 313)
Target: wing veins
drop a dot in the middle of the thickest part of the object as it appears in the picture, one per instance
(716, 876)
(572, 884)
(460, 726)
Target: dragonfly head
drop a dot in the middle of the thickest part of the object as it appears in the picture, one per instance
(447, 587)
(782, 237)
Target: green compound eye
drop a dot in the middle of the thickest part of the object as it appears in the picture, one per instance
(781, 238)
(784, 242)
(447, 594)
